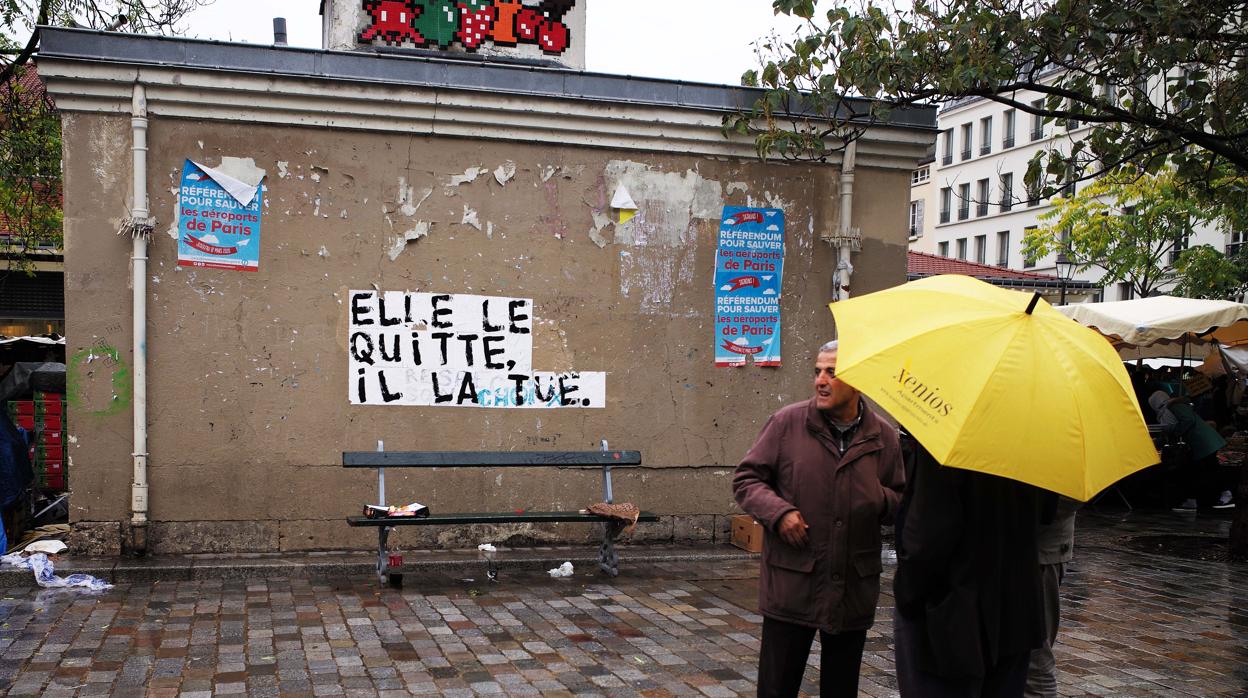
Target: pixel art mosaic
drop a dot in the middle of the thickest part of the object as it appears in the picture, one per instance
(440, 23)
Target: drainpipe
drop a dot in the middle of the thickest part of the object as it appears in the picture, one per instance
(140, 227)
(845, 237)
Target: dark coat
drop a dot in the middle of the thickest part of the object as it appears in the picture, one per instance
(968, 572)
(834, 582)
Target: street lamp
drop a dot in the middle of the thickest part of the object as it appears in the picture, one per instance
(1065, 272)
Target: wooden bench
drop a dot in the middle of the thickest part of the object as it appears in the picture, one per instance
(389, 568)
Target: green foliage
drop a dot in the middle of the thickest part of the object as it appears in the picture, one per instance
(30, 129)
(1126, 223)
(1204, 272)
(1161, 83)
(30, 173)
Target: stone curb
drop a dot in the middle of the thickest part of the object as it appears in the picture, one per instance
(450, 562)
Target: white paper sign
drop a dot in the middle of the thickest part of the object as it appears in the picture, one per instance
(454, 350)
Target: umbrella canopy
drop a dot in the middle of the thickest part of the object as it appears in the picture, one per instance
(996, 381)
(1146, 321)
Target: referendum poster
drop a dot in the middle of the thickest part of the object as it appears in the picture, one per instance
(749, 265)
(454, 350)
(218, 220)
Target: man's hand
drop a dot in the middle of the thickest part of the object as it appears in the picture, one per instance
(792, 529)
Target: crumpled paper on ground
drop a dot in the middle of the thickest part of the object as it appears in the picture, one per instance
(45, 576)
(564, 570)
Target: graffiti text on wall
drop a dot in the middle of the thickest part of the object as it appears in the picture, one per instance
(454, 350)
(439, 23)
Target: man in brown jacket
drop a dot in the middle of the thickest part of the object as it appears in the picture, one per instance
(822, 477)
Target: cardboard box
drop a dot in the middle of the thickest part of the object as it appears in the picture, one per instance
(747, 533)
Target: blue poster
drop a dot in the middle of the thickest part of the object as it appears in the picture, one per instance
(218, 220)
(749, 265)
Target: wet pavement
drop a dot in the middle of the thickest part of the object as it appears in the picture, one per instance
(1135, 623)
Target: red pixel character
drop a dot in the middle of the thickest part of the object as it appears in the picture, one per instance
(392, 21)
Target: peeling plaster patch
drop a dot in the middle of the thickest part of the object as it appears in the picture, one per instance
(172, 232)
(406, 199)
(469, 175)
(601, 220)
(398, 244)
(655, 274)
(505, 172)
(470, 218)
(770, 200)
(668, 202)
(734, 187)
(563, 171)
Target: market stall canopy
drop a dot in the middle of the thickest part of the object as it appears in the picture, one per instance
(1146, 321)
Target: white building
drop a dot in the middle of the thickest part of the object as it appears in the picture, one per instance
(970, 202)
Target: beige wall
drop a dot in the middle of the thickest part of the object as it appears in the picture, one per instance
(248, 379)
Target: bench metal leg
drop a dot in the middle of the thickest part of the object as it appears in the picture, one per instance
(383, 534)
(608, 559)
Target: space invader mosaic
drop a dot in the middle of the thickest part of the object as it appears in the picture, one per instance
(470, 23)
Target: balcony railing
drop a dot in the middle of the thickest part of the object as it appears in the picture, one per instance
(964, 212)
(981, 209)
(985, 149)
(1007, 203)
(947, 159)
(1008, 142)
(966, 154)
(1037, 134)
(944, 215)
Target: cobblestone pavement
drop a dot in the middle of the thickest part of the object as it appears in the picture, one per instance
(1134, 624)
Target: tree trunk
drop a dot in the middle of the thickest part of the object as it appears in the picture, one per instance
(1239, 527)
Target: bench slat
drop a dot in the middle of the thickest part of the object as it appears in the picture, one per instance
(486, 517)
(497, 459)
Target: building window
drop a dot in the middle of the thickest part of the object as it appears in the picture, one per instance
(1037, 121)
(1125, 291)
(1007, 191)
(981, 249)
(1235, 242)
(1007, 136)
(920, 175)
(981, 198)
(1028, 262)
(1181, 243)
(985, 135)
(946, 138)
(1033, 195)
(1003, 248)
(916, 218)
(964, 201)
(946, 204)
(943, 248)
(966, 141)
(962, 248)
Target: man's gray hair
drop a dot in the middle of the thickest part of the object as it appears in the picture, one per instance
(828, 346)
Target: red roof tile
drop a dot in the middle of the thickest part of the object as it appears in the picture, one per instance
(924, 264)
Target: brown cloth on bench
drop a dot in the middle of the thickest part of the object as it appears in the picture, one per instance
(626, 511)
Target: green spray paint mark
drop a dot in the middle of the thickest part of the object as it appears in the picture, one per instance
(121, 378)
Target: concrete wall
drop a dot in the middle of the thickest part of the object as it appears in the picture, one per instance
(248, 401)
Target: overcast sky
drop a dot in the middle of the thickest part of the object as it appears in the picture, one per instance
(696, 40)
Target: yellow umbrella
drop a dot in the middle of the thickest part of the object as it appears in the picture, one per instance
(996, 381)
